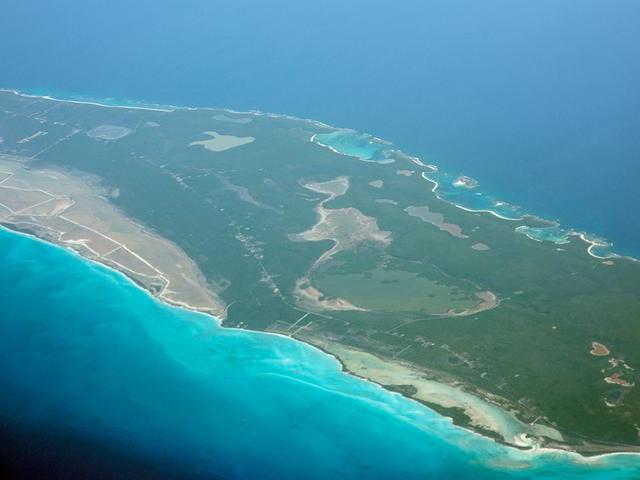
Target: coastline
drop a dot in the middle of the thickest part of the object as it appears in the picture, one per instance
(130, 278)
(584, 237)
(73, 211)
(592, 241)
(434, 190)
(522, 441)
(514, 457)
(532, 449)
(166, 108)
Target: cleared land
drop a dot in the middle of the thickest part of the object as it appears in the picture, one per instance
(347, 228)
(220, 143)
(109, 132)
(67, 209)
(437, 219)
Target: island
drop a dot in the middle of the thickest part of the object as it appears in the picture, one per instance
(290, 226)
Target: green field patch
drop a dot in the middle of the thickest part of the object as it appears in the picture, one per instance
(393, 290)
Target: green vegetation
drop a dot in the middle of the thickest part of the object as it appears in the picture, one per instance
(385, 287)
(234, 212)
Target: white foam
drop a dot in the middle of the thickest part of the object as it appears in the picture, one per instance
(466, 209)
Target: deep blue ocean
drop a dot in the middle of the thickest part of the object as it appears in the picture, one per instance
(537, 100)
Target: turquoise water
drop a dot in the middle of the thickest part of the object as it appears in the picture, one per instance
(448, 187)
(88, 357)
(545, 234)
(366, 147)
(533, 110)
(355, 144)
(473, 199)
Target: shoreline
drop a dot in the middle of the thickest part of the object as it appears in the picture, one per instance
(170, 108)
(522, 440)
(159, 297)
(584, 236)
(534, 449)
(558, 448)
(164, 300)
(82, 218)
(158, 107)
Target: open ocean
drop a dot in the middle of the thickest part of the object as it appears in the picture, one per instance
(538, 101)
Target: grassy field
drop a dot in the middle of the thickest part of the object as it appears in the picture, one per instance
(234, 212)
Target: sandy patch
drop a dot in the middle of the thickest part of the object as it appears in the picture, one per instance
(109, 132)
(482, 413)
(313, 299)
(20, 200)
(220, 143)
(71, 210)
(346, 227)
(465, 182)
(334, 188)
(436, 219)
(617, 379)
(243, 194)
(488, 301)
(480, 247)
(599, 350)
(377, 183)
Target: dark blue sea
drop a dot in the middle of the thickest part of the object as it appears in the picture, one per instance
(538, 101)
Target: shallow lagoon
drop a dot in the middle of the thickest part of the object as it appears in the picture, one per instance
(462, 191)
(355, 144)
